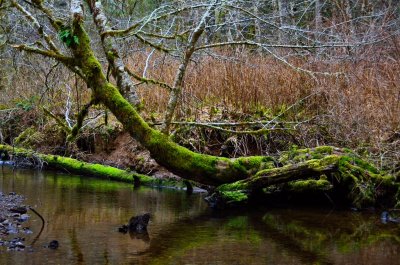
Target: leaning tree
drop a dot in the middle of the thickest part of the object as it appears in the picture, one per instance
(212, 24)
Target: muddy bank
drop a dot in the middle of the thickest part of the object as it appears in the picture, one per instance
(13, 217)
(126, 153)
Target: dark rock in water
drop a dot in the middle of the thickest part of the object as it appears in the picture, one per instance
(53, 244)
(123, 229)
(20, 210)
(139, 223)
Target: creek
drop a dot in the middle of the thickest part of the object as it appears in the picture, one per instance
(83, 214)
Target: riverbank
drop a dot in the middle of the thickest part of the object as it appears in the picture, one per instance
(13, 215)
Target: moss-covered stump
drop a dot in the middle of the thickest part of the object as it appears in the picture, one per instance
(335, 173)
(33, 159)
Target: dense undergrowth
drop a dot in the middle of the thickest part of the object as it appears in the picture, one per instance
(356, 106)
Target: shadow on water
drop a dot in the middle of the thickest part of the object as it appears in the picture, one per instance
(84, 215)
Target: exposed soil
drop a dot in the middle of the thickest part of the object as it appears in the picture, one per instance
(126, 153)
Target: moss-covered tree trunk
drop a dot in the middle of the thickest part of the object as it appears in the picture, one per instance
(241, 176)
(205, 169)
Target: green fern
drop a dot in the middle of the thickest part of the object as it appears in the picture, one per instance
(67, 37)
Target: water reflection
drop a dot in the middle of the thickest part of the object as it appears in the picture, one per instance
(84, 215)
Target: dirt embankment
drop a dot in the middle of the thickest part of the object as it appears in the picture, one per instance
(126, 153)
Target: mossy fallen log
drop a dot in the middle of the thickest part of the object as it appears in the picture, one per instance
(34, 159)
(335, 172)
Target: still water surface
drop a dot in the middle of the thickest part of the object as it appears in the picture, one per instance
(84, 214)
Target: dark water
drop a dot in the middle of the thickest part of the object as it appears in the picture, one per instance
(83, 215)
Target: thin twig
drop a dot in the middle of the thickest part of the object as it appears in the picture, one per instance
(41, 229)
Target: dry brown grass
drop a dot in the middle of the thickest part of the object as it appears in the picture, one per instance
(358, 109)
(363, 103)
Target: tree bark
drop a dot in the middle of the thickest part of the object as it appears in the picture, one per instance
(110, 47)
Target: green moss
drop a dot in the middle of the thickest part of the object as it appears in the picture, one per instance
(323, 150)
(254, 164)
(309, 185)
(28, 138)
(362, 180)
(96, 170)
(235, 186)
(234, 197)
(352, 159)
(24, 135)
(296, 155)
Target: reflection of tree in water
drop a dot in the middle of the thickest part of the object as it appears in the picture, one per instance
(140, 236)
(76, 249)
(318, 238)
(308, 237)
(183, 231)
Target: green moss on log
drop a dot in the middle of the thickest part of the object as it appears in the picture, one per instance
(309, 185)
(362, 184)
(296, 155)
(234, 197)
(96, 170)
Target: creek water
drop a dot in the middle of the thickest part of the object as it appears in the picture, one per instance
(83, 214)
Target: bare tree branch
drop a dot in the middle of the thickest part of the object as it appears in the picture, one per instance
(124, 82)
(178, 82)
(152, 17)
(51, 54)
(149, 80)
(36, 25)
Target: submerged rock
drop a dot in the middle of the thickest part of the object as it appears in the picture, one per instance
(137, 224)
(19, 209)
(53, 244)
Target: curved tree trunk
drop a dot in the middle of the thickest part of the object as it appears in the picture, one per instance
(205, 169)
(243, 175)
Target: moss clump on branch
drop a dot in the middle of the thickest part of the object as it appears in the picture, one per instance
(309, 185)
(336, 171)
(28, 138)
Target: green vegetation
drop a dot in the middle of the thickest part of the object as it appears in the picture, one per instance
(82, 168)
(323, 169)
(68, 38)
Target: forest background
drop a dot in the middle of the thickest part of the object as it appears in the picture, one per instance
(262, 77)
